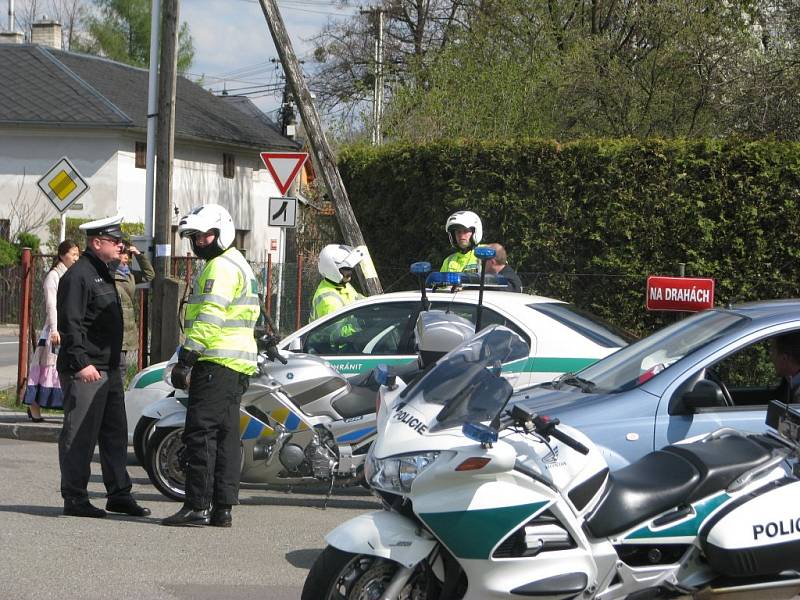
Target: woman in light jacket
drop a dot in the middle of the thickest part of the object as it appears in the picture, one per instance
(43, 387)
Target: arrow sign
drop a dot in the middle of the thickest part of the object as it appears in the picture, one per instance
(284, 167)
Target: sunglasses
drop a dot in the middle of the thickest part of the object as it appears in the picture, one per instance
(114, 240)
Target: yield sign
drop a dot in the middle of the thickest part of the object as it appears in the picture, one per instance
(284, 167)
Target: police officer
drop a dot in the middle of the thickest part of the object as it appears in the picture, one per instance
(336, 264)
(465, 231)
(220, 352)
(90, 326)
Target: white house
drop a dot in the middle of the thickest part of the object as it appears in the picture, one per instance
(92, 110)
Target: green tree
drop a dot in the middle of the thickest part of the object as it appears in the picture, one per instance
(569, 69)
(121, 31)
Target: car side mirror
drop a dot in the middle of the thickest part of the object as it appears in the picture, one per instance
(296, 345)
(705, 394)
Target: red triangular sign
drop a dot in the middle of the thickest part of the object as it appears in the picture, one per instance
(284, 167)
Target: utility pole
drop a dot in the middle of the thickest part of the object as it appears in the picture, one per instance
(168, 67)
(319, 145)
(377, 73)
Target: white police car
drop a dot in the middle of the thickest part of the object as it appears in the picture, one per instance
(562, 337)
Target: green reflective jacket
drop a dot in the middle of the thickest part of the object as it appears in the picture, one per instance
(330, 297)
(461, 262)
(222, 311)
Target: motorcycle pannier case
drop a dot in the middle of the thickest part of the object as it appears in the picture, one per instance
(757, 534)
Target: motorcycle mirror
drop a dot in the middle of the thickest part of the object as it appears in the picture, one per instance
(483, 253)
(479, 432)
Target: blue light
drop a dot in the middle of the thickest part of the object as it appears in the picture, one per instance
(479, 433)
(484, 252)
(439, 278)
(382, 374)
(421, 268)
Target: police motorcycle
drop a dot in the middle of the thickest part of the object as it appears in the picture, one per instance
(482, 500)
(300, 420)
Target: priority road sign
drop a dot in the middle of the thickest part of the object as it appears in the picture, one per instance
(62, 184)
(282, 212)
(284, 167)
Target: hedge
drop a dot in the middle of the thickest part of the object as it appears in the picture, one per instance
(589, 221)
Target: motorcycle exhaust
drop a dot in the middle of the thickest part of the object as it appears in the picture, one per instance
(773, 590)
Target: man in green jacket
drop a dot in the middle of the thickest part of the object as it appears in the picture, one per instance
(220, 353)
(465, 231)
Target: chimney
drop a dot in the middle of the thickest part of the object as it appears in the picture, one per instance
(11, 37)
(46, 33)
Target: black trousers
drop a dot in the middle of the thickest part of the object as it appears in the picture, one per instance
(94, 415)
(211, 435)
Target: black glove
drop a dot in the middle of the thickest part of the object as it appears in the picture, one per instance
(269, 344)
(181, 371)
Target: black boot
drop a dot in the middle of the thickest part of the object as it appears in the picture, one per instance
(126, 506)
(221, 516)
(189, 516)
(82, 508)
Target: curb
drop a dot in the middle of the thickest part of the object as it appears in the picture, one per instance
(30, 433)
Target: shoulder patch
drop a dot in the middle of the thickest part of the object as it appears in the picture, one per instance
(208, 286)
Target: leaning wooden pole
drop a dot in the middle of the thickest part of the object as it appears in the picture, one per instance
(319, 145)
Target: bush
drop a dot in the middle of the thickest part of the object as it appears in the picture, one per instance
(8, 254)
(27, 240)
(590, 220)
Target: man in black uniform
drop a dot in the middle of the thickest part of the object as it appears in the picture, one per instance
(90, 325)
(499, 266)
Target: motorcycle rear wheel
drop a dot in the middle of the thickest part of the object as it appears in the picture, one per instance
(164, 462)
(340, 575)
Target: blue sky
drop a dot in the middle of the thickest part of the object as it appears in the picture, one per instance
(233, 46)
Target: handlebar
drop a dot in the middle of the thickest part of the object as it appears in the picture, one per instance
(542, 425)
(569, 440)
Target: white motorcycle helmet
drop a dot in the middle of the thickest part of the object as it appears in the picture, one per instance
(468, 220)
(338, 256)
(438, 332)
(204, 218)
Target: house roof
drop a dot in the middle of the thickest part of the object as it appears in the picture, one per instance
(47, 87)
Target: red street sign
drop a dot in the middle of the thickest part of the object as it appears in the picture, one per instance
(284, 167)
(688, 294)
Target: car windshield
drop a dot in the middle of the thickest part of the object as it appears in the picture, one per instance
(466, 382)
(585, 323)
(633, 365)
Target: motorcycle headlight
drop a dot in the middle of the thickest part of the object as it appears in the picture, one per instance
(396, 474)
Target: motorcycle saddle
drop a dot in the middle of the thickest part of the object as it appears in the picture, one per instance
(669, 477)
(360, 400)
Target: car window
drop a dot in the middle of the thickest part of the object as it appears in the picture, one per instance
(375, 329)
(749, 367)
(585, 323)
(489, 316)
(633, 365)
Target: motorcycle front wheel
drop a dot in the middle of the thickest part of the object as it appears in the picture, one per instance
(164, 462)
(144, 428)
(340, 575)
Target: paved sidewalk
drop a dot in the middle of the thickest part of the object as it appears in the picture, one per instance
(17, 426)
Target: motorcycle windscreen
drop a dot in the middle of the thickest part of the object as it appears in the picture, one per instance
(466, 384)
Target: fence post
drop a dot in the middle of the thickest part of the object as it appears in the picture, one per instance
(268, 286)
(24, 322)
(299, 290)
